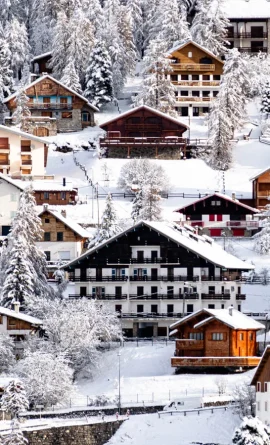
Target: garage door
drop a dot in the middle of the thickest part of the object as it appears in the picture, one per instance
(238, 232)
(215, 232)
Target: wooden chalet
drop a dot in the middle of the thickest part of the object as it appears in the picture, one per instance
(261, 381)
(54, 108)
(144, 132)
(261, 188)
(17, 324)
(216, 338)
(218, 212)
(196, 74)
(53, 193)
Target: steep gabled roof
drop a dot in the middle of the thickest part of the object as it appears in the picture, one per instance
(263, 362)
(41, 56)
(222, 196)
(181, 45)
(260, 173)
(20, 316)
(11, 181)
(144, 107)
(68, 222)
(237, 320)
(243, 9)
(202, 246)
(47, 76)
(22, 134)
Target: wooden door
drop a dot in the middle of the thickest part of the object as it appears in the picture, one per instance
(41, 132)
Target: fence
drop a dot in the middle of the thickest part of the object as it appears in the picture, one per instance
(163, 195)
(192, 411)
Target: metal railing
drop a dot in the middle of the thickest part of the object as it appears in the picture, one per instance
(247, 35)
(49, 106)
(153, 314)
(243, 224)
(98, 297)
(157, 296)
(216, 296)
(241, 297)
(252, 50)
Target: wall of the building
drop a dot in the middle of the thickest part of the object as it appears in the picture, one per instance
(61, 250)
(9, 201)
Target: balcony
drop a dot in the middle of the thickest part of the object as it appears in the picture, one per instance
(193, 67)
(99, 297)
(49, 106)
(157, 296)
(26, 162)
(198, 83)
(26, 149)
(193, 99)
(166, 278)
(220, 362)
(4, 162)
(247, 35)
(143, 141)
(4, 148)
(189, 344)
(243, 224)
(98, 279)
(252, 50)
(241, 297)
(148, 315)
(216, 296)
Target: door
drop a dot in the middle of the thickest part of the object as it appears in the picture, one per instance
(139, 308)
(41, 131)
(99, 273)
(212, 218)
(154, 291)
(140, 291)
(215, 232)
(184, 111)
(219, 217)
(190, 308)
(154, 274)
(196, 111)
(256, 31)
(118, 292)
(47, 102)
(83, 291)
(170, 309)
(238, 232)
(83, 274)
(140, 256)
(154, 308)
(154, 255)
(4, 143)
(170, 273)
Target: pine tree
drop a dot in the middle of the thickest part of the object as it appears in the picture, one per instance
(94, 12)
(262, 238)
(14, 399)
(6, 79)
(137, 205)
(209, 27)
(134, 7)
(98, 78)
(60, 56)
(251, 432)
(22, 111)
(108, 227)
(15, 437)
(70, 78)
(157, 90)
(17, 40)
(171, 24)
(151, 204)
(265, 107)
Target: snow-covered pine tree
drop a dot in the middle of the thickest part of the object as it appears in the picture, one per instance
(17, 40)
(6, 353)
(262, 238)
(6, 79)
(19, 282)
(98, 77)
(14, 399)
(70, 77)
(22, 111)
(108, 226)
(171, 23)
(209, 27)
(150, 31)
(137, 205)
(151, 204)
(43, 21)
(157, 90)
(15, 436)
(251, 432)
(134, 7)
(94, 12)
(60, 56)
(265, 102)
(127, 39)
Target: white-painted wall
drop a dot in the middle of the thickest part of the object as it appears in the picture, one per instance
(9, 201)
(74, 249)
(263, 405)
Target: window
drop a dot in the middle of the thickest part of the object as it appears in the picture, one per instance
(47, 220)
(265, 406)
(251, 336)
(154, 308)
(211, 290)
(206, 93)
(174, 77)
(12, 322)
(217, 336)
(190, 54)
(184, 77)
(241, 336)
(195, 93)
(139, 308)
(118, 291)
(118, 308)
(85, 116)
(83, 291)
(215, 93)
(184, 93)
(222, 306)
(13, 197)
(216, 77)
(190, 308)
(46, 195)
(170, 290)
(195, 335)
(60, 236)
(265, 386)
(48, 255)
(215, 203)
(46, 86)
(211, 306)
(258, 406)
(170, 308)
(140, 291)
(67, 115)
(63, 195)
(206, 60)
(47, 236)
(64, 255)
(195, 77)
(258, 386)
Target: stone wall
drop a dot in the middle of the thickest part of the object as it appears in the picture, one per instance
(95, 434)
(74, 124)
(145, 152)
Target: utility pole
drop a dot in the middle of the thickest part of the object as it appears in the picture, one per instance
(119, 383)
(97, 205)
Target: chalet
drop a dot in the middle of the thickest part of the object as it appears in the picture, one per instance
(54, 107)
(144, 132)
(196, 74)
(54, 193)
(22, 153)
(63, 239)
(216, 338)
(217, 214)
(17, 324)
(261, 188)
(41, 64)
(261, 381)
(249, 25)
(154, 273)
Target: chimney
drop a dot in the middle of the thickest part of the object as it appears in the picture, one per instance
(64, 213)
(45, 207)
(16, 305)
(231, 310)
(233, 196)
(64, 182)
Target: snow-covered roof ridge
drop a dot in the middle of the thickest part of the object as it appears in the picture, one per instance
(237, 320)
(67, 221)
(40, 56)
(11, 181)
(181, 45)
(261, 172)
(220, 195)
(146, 107)
(20, 316)
(47, 76)
(247, 9)
(45, 185)
(199, 245)
(22, 134)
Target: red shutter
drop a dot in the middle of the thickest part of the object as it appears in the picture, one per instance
(219, 217)
(211, 217)
(215, 232)
(238, 232)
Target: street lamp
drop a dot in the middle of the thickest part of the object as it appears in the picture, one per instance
(119, 383)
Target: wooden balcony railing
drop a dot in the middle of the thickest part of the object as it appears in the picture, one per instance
(165, 278)
(143, 141)
(234, 362)
(193, 83)
(101, 279)
(193, 67)
(193, 99)
(216, 296)
(157, 296)
(49, 106)
(26, 162)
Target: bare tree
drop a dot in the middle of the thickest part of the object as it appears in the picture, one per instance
(245, 398)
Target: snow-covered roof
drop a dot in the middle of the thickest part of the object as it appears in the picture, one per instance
(261, 172)
(68, 222)
(11, 181)
(45, 185)
(220, 195)
(264, 362)
(145, 107)
(41, 56)
(20, 316)
(181, 45)
(237, 320)
(200, 245)
(247, 9)
(47, 76)
(22, 134)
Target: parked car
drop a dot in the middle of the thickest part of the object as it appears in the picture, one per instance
(174, 405)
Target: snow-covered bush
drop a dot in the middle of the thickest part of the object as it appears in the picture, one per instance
(14, 399)
(15, 436)
(7, 358)
(262, 239)
(245, 398)
(265, 103)
(251, 432)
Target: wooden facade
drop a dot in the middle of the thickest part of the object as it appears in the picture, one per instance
(261, 188)
(144, 132)
(196, 74)
(49, 101)
(53, 226)
(41, 64)
(55, 197)
(213, 337)
(17, 324)
(217, 212)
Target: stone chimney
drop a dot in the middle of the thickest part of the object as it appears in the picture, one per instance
(64, 213)
(64, 182)
(16, 305)
(233, 196)
(230, 309)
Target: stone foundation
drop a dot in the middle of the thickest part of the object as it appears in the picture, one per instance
(145, 152)
(95, 434)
